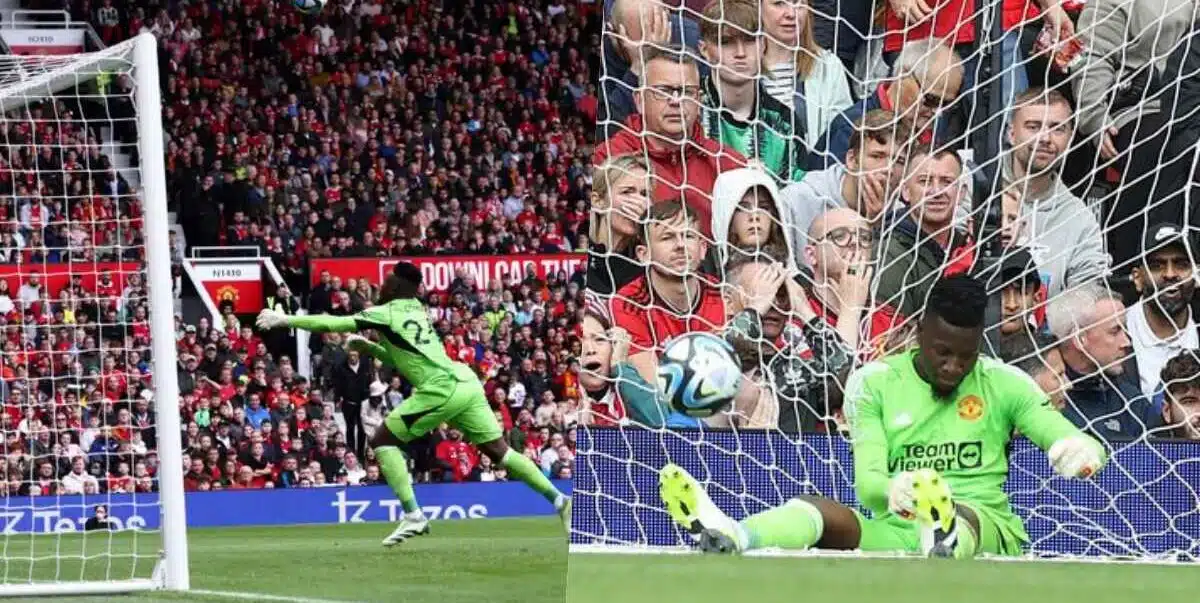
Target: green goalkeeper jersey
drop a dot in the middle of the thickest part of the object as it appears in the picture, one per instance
(897, 424)
(408, 343)
(412, 345)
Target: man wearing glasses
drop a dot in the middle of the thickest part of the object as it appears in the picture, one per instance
(921, 242)
(684, 164)
(840, 242)
(926, 78)
(631, 28)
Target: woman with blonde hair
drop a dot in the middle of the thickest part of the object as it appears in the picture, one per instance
(620, 196)
(798, 72)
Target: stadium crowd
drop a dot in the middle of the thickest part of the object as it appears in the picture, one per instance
(372, 129)
(754, 179)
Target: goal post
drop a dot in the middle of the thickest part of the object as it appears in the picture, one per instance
(148, 103)
(1038, 208)
(115, 259)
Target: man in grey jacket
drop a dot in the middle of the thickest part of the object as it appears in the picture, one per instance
(1125, 109)
(1060, 231)
(865, 184)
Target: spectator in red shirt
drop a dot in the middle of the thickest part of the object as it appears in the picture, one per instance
(672, 298)
(448, 453)
(245, 479)
(684, 163)
(463, 466)
(191, 480)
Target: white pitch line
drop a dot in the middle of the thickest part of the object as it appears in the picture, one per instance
(233, 594)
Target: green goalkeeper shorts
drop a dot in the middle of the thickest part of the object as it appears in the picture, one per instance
(891, 533)
(443, 400)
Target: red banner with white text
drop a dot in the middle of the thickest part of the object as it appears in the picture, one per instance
(440, 271)
(55, 276)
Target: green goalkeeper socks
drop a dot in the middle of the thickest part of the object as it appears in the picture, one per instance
(525, 470)
(395, 471)
(796, 524)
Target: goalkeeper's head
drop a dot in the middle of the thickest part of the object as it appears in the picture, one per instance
(403, 283)
(950, 332)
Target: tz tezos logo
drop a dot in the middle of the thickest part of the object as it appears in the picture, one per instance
(970, 408)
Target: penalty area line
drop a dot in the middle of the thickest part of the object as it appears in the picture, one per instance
(248, 596)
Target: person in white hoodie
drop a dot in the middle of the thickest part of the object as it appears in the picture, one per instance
(865, 184)
(748, 219)
(375, 408)
(1058, 229)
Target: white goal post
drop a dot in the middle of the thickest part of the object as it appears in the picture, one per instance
(151, 552)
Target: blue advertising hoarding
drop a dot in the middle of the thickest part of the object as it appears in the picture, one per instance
(1146, 502)
(277, 507)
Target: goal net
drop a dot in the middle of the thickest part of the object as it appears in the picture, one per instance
(1047, 148)
(91, 494)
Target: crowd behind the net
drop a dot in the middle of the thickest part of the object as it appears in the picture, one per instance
(465, 131)
(708, 159)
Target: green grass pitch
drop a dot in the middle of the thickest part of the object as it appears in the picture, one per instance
(482, 561)
(594, 578)
(525, 561)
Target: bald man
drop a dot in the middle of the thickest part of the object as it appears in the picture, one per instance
(839, 251)
(630, 24)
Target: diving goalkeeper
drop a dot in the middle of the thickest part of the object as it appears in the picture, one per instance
(930, 429)
(444, 391)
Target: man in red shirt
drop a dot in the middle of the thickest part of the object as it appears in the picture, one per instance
(666, 130)
(450, 450)
(672, 298)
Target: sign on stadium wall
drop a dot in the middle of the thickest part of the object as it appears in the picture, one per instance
(440, 271)
(234, 280)
(56, 276)
(43, 41)
(326, 505)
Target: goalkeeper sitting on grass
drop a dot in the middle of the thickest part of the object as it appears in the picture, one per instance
(930, 429)
(444, 391)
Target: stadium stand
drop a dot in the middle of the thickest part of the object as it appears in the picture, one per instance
(374, 129)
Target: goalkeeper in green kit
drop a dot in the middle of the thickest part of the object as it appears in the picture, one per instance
(444, 391)
(930, 430)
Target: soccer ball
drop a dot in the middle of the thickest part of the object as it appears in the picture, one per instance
(699, 374)
(309, 6)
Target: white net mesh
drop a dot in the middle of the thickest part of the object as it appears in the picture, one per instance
(1047, 148)
(79, 493)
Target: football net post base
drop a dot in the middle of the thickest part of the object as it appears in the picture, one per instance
(108, 101)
